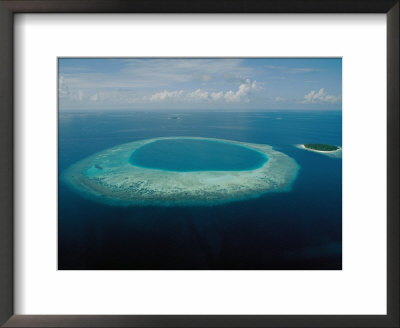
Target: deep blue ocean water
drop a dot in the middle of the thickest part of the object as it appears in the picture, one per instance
(300, 229)
(186, 155)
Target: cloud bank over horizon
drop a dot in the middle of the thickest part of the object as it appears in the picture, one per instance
(190, 84)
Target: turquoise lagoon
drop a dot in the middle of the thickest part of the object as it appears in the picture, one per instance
(187, 155)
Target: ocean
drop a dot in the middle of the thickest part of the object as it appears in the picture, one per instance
(296, 230)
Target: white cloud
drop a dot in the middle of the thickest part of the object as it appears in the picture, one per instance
(65, 92)
(279, 99)
(114, 97)
(320, 96)
(73, 90)
(145, 74)
(197, 95)
(142, 81)
(243, 90)
(216, 95)
(164, 95)
(79, 95)
(62, 88)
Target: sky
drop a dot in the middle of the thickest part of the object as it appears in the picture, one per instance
(228, 84)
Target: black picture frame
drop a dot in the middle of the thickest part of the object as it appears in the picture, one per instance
(10, 7)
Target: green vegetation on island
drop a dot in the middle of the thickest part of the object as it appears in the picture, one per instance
(321, 147)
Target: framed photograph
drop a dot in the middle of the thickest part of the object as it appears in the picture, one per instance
(195, 187)
(199, 165)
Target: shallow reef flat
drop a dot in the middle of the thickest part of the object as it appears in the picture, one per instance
(110, 177)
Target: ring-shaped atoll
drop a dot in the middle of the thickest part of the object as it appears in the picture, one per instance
(112, 177)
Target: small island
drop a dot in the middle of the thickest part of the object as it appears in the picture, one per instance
(321, 147)
(324, 149)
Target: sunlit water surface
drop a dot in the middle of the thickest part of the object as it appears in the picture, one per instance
(300, 229)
